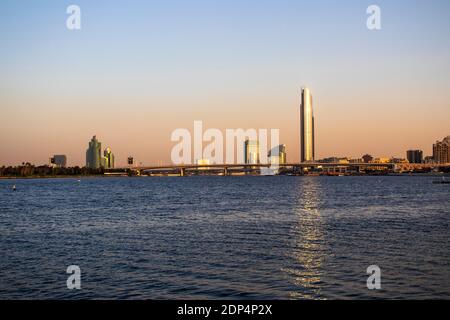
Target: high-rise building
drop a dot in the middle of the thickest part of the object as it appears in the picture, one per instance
(58, 160)
(251, 152)
(108, 159)
(278, 155)
(414, 156)
(441, 151)
(94, 154)
(306, 127)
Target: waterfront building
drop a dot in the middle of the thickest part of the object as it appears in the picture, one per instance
(414, 156)
(307, 148)
(367, 158)
(251, 151)
(202, 162)
(329, 160)
(429, 160)
(382, 160)
(441, 151)
(278, 155)
(130, 161)
(93, 154)
(398, 160)
(108, 159)
(335, 160)
(58, 161)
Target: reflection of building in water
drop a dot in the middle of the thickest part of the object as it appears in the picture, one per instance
(309, 248)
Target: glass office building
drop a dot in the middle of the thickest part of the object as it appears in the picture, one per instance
(94, 154)
(108, 159)
(251, 152)
(306, 127)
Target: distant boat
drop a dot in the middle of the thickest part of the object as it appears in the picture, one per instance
(441, 181)
(14, 187)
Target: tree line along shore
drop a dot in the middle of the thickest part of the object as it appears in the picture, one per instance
(31, 171)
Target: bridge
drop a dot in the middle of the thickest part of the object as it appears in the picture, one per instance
(228, 169)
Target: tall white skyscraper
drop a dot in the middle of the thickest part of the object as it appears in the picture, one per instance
(306, 127)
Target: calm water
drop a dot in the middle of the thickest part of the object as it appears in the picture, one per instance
(225, 237)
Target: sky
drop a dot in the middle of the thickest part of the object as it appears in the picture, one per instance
(138, 70)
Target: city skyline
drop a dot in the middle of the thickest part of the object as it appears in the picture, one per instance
(95, 160)
(252, 155)
(380, 92)
(252, 151)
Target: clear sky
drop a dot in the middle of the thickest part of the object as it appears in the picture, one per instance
(137, 70)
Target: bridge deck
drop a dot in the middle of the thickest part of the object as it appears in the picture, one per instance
(260, 165)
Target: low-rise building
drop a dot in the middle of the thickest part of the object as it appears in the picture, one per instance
(58, 161)
(278, 155)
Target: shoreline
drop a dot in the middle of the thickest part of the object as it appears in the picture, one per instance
(51, 177)
(255, 175)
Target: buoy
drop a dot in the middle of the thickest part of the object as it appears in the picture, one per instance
(14, 187)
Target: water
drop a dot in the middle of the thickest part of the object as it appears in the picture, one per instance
(225, 237)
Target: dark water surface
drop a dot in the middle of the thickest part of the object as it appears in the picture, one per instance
(225, 237)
